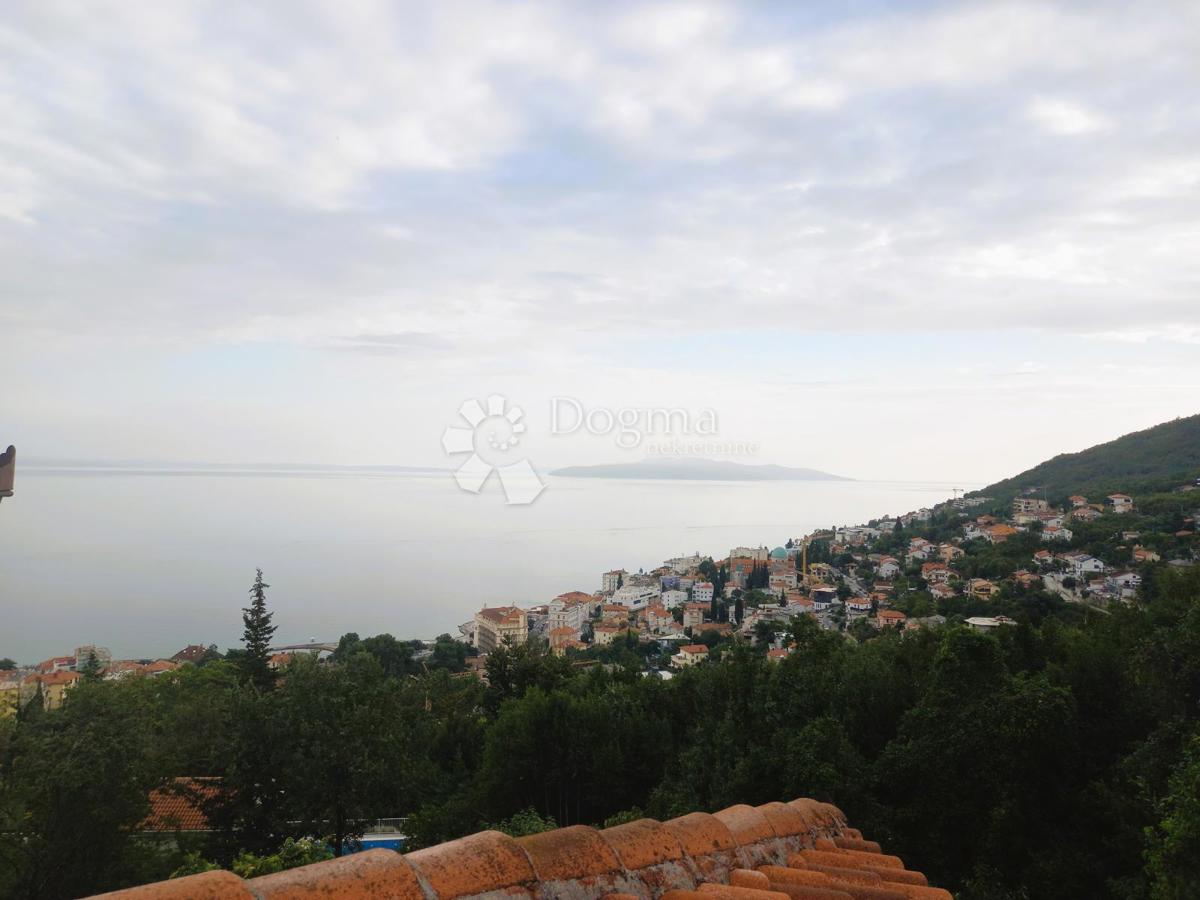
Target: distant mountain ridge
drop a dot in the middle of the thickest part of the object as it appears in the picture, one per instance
(1155, 459)
(696, 470)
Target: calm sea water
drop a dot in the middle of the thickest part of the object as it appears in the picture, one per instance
(145, 563)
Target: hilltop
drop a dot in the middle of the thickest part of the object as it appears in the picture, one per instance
(1156, 459)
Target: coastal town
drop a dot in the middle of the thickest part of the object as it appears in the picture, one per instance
(966, 560)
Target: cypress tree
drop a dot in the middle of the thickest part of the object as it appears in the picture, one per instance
(256, 636)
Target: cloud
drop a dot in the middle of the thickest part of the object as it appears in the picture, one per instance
(1062, 117)
(481, 186)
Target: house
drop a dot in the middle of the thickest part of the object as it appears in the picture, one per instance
(1123, 582)
(54, 687)
(988, 623)
(497, 625)
(935, 572)
(192, 653)
(55, 664)
(981, 587)
(1077, 501)
(781, 581)
(657, 617)
(1120, 503)
(569, 610)
(973, 531)
(759, 554)
(610, 581)
(721, 628)
(606, 632)
(889, 567)
(1053, 533)
(280, 660)
(1085, 514)
(694, 613)
(560, 636)
(89, 652)
(690, 655)
(10, 697)
(702, 592)
(822, 601)
(998, 534)
(1028, 505)
(858, 606)
(178, 807)
(1141, 554)
(889, 618)
(823, 593)
(941, 591)
(798, 605)
(1027, 579)
(947, 553)
(1084, 564)
(673, 598)
(636, 596)
(1043, 557)
(778, 653)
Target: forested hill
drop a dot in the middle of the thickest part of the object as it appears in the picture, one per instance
(1152, 460)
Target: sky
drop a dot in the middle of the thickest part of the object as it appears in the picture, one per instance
(923, 241)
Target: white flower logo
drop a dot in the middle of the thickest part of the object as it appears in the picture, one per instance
(491, 440)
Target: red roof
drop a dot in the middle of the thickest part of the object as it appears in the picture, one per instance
(694, 648)
(768, 852)
(178, 806)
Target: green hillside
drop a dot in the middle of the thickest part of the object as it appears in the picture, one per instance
(1153, 460)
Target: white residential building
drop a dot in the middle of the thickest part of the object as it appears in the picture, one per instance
(672, 599)
(702, 592)
(1053, 533)
(1121, 503)
(636, 596)
(569, 610)
(610, 581)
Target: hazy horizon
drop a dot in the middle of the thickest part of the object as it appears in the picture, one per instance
(146, 565)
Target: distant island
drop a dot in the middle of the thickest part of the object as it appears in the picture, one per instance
(696, 470)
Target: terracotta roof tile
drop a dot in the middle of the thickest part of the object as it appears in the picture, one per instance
(569, 853)
(485, 861)
(208, 886)
(700, 833)
(747, 824)
(642, 843)
(178, 805)
(880, 859)
(374, 874)
(785, 820)
(800, 849)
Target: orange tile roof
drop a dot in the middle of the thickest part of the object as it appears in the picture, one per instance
(770, 852)
(177, 806)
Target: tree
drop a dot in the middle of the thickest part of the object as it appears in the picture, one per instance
(7, 665)
(76, 777)
(525, 822)
(256, 637)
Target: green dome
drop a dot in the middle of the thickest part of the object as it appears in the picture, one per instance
(778, 553)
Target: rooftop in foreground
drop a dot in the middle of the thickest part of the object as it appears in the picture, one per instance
(802, 849)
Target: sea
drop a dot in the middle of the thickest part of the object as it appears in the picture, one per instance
(146, 560)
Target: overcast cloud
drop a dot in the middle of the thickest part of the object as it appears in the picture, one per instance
(307, 232)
